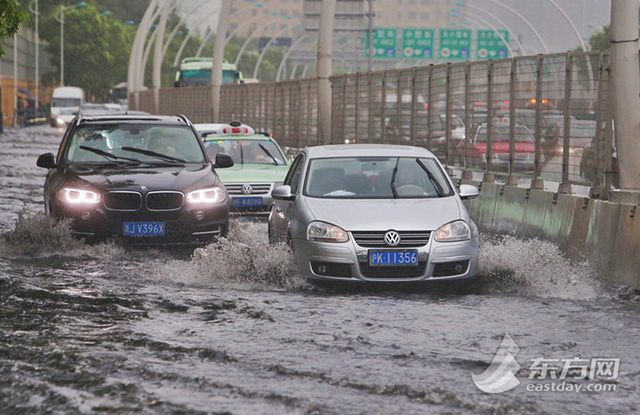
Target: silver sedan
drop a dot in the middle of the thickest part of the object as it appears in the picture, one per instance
(374, 213)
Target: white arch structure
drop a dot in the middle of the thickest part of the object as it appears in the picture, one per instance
(513, 36)
(264, 50)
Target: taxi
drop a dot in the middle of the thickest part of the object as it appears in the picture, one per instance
(260, 165)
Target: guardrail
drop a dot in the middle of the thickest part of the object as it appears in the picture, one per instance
(547, 117)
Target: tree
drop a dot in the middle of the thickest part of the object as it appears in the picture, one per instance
(96, 49)
(601, 40)
(11, 17)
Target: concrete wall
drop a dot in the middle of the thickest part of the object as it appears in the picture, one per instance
(604, 233)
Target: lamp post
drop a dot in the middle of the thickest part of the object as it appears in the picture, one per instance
(35, 12)
(61, 20)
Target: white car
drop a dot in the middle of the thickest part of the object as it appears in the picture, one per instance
(360, 212)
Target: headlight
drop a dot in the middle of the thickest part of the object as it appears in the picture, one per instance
(454, 231)
(60, 121)
(212, 195)
(78, 196)
(325, 232)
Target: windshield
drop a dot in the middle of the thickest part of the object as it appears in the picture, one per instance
(147, 143)
(247, 151)
(66, 102)
(376, 178)
(501, 134)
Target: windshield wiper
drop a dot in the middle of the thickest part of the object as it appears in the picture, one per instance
(393, 180)
(108, 155)
(263, 148)
(155, 154)
(432, 178)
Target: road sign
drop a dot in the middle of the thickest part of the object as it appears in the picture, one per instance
(492, 46)
(384, 43)
(417, 43)
(455, 44)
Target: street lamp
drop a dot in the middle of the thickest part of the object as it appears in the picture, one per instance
(61, 20)
(35, 12)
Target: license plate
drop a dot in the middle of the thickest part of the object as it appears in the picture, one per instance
(407, 257)
(246, 201)
(143, 228)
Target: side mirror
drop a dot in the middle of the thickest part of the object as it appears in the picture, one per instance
(468, 192)
(283, 193)
(46, 161)
(222, 161)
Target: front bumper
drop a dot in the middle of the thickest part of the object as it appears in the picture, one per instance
(349, 261)
(187, 226)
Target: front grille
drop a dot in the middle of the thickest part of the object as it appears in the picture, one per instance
(164, 200)
(393, 271)
(375, 239)
(256, 189)
(449, 269)
(123, 201)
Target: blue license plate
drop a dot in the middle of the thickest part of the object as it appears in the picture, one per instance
(408, 257)
(246, 201)
(143, 228)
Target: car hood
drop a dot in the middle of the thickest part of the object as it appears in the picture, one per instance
(180, 178)
(377, 214)
(253, 173)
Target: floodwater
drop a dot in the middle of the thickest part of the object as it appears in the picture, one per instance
(232, 329)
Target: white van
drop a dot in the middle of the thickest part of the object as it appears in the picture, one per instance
(65, 97)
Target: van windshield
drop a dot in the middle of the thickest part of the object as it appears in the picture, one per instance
(66, 102)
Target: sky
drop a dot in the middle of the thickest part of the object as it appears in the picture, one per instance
(559, 33)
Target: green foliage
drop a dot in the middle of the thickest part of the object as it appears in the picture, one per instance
(11, 17)
(96, 49)
(601, 40)
(123, 10)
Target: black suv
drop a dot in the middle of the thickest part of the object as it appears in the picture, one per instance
(141, 179)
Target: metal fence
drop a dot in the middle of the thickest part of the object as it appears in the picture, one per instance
(533, 121)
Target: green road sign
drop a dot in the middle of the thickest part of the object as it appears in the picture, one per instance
(455, 44)
(417, 43)
(492, 46)
(384, 43)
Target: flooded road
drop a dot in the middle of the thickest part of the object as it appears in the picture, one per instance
(232, 329)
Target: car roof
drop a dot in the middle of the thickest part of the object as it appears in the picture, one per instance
(367, 150)
(138, 117)
(248, 137)
(208, 127)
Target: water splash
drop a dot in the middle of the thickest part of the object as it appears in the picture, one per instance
(37, 235)
(246, 259)
(535, 267)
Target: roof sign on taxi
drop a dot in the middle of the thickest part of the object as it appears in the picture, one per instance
(236, 128)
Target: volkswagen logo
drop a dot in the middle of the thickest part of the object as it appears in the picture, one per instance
(392, 238)
(247, 189)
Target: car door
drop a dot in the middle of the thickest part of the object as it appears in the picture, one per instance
(283, 211)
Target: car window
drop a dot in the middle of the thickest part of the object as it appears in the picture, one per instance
(293, 176)
(501, 134)
(376, 178)
(247, 151)
(137, 142)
